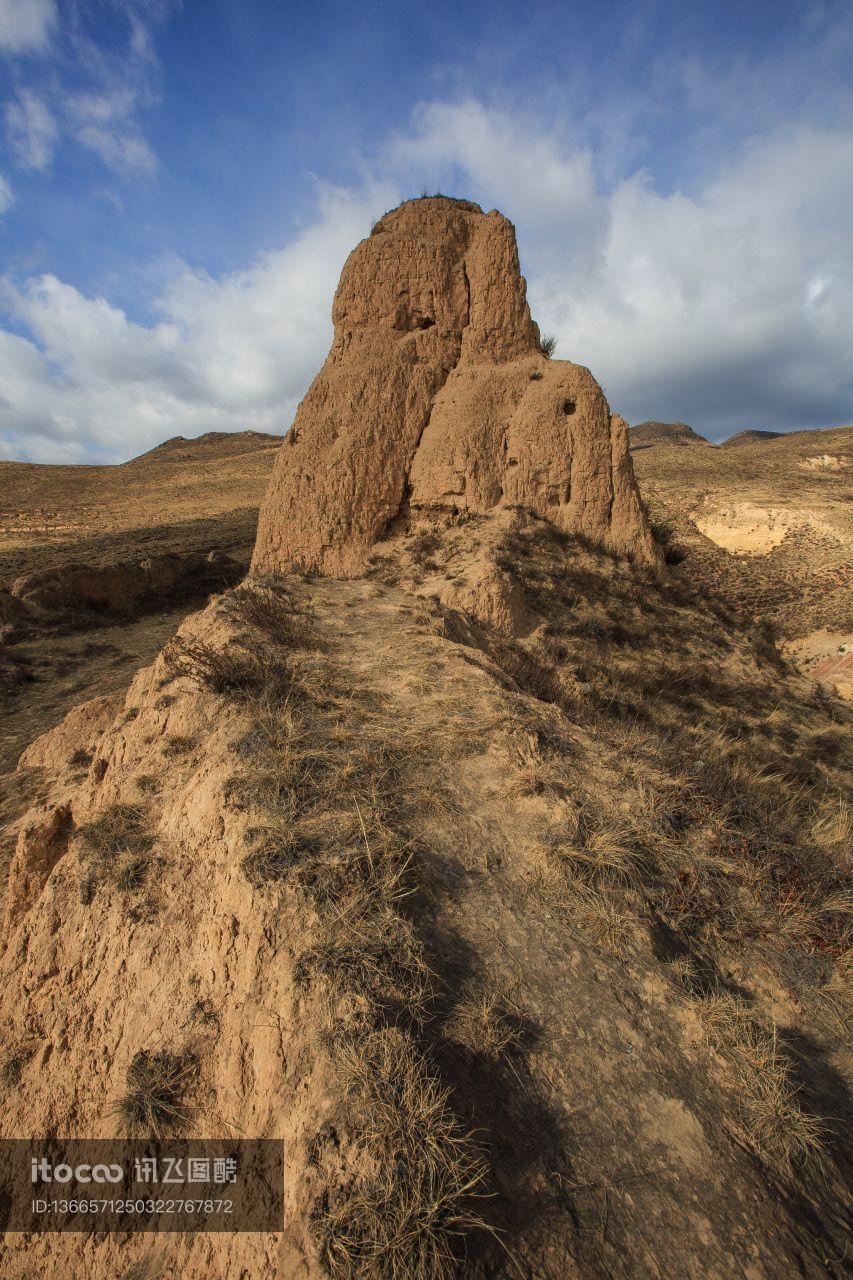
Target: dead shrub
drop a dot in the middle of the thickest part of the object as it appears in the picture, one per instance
(372, 952)
(593, 850)
(275, 608)
(131, 871)
(230, 670)
(118, 844)
(423, 546)
(202, 1014)
(178, 745)
(277, 849)
(118, 827)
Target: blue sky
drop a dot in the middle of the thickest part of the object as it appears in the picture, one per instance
(180, 184)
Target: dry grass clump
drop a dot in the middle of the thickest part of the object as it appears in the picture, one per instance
(589, 862)
(271, 862)
(404, 1218)
(278, 847)
(598, 911)
(118, 845)
(422, 547)
(372, 950)
(179, 744)
(118, 826)
(766, 1099)
(228, 670)
(275, 608)
(154, 1104)
(483, 1022)
(602, 917)
(202, 1014)
(834, 998)
(593, 849)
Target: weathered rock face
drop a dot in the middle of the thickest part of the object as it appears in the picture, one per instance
(435, 394)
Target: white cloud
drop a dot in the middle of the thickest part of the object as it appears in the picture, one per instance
(105, 123)
(124, 152)
(727, 307)
(32, 131)
(26, 24)
(106, 116)
(224, 355)
(6, 196)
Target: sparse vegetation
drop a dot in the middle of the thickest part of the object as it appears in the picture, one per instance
(274, 608)
(664, 534)
(179, 744)
(155, 1101)
(118, 847)
(547, 345)
(717, 827)
(767, 1103)
(484, 1023)
(406, 1220)
(423, 547)
(333, 824)
(228, 670)
(202, 1014)
(277, 851)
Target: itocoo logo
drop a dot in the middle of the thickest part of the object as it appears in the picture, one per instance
(43, 1171)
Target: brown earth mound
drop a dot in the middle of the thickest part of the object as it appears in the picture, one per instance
(646, 434)
(126, 589)
(435, 395)
(212, 445)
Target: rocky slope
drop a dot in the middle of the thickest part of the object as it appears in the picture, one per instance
(340, 833)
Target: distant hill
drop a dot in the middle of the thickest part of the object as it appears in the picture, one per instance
(184, 495)
(213, 444)
(646, 434)
(749, 437)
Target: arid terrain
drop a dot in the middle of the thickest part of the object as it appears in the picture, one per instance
(482, 844)
(766, 526)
